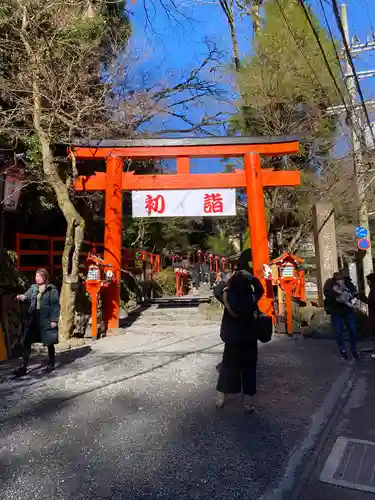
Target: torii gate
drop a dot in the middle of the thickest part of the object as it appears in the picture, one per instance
(114, 180)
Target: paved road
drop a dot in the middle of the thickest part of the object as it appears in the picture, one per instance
(133, 417)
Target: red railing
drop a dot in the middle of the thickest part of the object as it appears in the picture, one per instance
(52, 249)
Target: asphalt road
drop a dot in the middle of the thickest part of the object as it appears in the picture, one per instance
(133, 417)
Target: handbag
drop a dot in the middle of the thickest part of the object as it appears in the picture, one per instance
(264, 327)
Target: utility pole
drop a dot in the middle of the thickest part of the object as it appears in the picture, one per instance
(357, 136)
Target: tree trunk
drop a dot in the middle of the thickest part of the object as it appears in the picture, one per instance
(70, 267)
(229, 14)
(255, 15)
(73, 241)
(75, 223)
(293, 245)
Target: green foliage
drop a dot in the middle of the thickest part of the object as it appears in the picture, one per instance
(177, 234)
(220, 245)
(246, 240)
(279, 78)
(11, 277)
(166, 281)
(33, 152)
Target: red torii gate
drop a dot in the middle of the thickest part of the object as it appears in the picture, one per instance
(114, 180)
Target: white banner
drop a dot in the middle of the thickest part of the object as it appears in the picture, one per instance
(184, 203)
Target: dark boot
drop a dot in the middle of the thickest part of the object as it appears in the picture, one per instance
(49, 368)
(51, 359)
(20, 372)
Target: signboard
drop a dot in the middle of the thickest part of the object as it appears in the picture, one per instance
(184, 203)
(12, 188)
(363, 244)
(361, 232)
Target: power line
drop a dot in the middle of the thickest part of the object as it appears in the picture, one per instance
(350, 59)
(316, 35)
(370, 17)
(298, 45)
(310, 65)
(344, 131)
(339, 61)
(332, 39)
(349, 114)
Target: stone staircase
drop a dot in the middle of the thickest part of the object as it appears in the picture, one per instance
(168, 317)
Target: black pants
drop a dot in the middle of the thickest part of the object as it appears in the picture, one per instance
(238, 371)
(27, 351)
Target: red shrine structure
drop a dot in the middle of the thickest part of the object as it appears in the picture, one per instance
(252, 177)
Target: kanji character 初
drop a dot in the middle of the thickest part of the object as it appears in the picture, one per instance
(213, 203)
(155, 204)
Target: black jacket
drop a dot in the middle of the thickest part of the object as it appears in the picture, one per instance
(242, 329)
(334, 303)
(49, 313)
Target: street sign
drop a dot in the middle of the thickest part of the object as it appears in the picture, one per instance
(363, 244)
(361, 232)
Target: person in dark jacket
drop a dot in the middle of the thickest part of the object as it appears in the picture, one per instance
(195, 278)
(41, 324)
(240, 296)
(340, 300)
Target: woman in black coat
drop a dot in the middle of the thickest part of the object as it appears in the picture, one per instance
(41, 324)
(240, 297)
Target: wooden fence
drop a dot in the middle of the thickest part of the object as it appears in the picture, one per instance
(35, 251)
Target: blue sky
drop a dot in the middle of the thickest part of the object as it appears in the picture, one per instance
(166, 44)
(169, 46)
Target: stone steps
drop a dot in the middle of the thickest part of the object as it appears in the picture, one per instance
(171, 329)
(167, 318)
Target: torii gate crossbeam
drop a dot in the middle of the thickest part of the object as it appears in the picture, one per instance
(114, 180)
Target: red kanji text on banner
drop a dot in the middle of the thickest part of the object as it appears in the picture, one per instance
(184, 203)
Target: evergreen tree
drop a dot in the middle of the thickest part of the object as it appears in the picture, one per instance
(285, 89)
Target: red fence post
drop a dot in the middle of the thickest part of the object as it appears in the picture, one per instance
(18, 250)
(50, 254)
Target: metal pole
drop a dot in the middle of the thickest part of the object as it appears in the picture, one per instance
(355, 125)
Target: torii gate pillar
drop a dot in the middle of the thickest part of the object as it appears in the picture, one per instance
(256, 213)
(113, 237)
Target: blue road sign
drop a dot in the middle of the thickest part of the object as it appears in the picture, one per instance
(361, 232)
(363, 244)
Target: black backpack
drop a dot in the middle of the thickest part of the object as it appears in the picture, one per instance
(327, 306)
(240, 296)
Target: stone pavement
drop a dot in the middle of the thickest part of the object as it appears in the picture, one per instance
(132, 417)
(355, 420)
